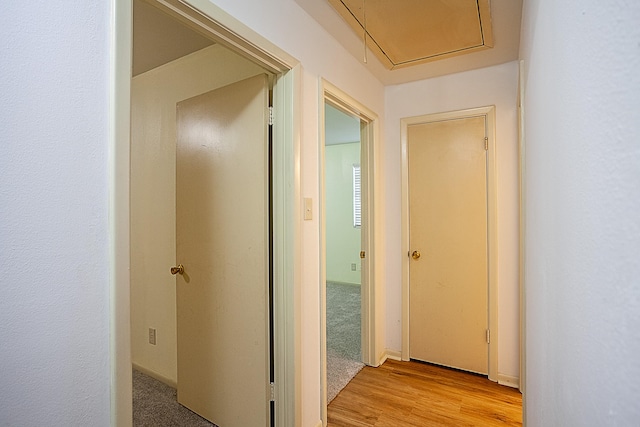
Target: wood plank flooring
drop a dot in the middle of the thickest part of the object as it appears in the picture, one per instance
(417, 394)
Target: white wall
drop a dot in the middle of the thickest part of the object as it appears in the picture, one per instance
(343, 239)
(154, 96)
(489, 86)
(582, 127)
(54, 248)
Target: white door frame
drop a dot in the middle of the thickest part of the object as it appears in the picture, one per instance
(369, 135)
(208, 19)
(492, 225)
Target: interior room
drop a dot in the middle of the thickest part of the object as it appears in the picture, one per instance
(92, 190)
(172, 62)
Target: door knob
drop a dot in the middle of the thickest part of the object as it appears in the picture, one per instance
(415, 254)
(177, 270)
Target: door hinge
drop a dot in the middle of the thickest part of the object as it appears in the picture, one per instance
(486, 143)
(488, 336)
(270, 116)
(272, 392)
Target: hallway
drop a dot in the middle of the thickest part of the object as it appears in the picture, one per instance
(417, 394)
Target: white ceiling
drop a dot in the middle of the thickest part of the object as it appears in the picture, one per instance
(505, 17)
(340, 128)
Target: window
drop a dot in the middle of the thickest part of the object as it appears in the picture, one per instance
(357, 198)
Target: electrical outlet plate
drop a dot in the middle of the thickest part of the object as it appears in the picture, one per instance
(152, 336)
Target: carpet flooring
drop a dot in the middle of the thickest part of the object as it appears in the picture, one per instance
(155, 403)
(344, 353)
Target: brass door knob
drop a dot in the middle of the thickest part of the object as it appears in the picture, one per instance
(179, 269)
(415, 254)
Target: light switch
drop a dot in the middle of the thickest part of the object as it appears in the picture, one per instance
(308, 209)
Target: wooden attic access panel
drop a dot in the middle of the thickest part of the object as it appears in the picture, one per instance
(409, 32)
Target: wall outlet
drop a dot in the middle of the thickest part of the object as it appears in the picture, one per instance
(152, 336)
(353, 266)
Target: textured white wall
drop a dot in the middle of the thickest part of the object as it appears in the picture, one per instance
(582, 127)
(54, 309)
(488, 86)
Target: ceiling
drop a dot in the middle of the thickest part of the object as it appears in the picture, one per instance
(158, 38)
(408, 40)
(411, 40)
(340, 128)
(442, 28)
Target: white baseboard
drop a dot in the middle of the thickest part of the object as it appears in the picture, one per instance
(509, 381)
(390, 354)
(394, 355)
(157, 376)
(319, 424)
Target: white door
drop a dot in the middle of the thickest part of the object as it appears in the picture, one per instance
(222, 217)
(448, 284)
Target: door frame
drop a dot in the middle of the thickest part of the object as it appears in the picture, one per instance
(331, 94)
(492, 225)
(522, 231)
(211, 21)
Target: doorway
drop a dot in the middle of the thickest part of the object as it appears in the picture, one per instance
(343, 245)
(284, 199)
(486, 319)
(160, 164)
(350, 267)
(177, 166)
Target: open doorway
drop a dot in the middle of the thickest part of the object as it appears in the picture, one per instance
(212, 65)
(170, 313)
(348, 334)
(343, 222)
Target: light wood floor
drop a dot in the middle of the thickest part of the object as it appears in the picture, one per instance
(417, 394)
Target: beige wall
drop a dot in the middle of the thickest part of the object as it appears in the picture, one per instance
(153, 110)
